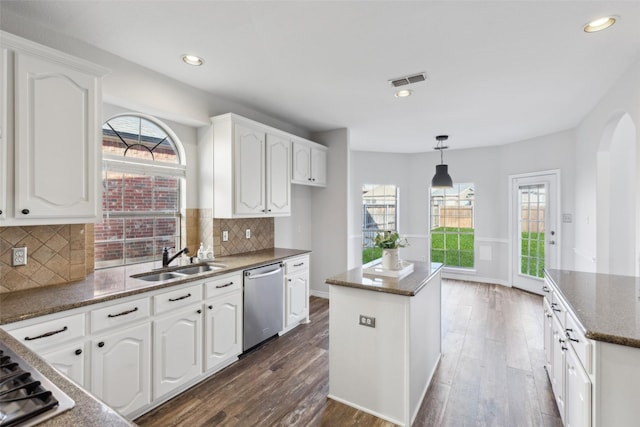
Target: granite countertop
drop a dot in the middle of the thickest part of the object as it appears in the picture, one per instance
(607, 306)
(88, 411)
(114, 283)
(408, 285)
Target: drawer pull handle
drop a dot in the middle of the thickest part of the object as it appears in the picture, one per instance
(298, 265)
(224, 286)
(546, 289)
(123, 313)
(47, 334)
(78, 352)
(179, 298)
(567, 333)
(101, 344)
(556, 309)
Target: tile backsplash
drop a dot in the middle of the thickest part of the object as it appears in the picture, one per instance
(55, 254)
(59, 254)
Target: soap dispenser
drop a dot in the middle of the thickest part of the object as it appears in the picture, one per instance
(202, 254)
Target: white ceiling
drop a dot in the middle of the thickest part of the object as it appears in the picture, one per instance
(497, 72)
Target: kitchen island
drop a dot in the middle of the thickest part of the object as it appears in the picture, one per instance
(385, 340)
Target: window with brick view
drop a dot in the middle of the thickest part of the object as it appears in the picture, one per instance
(142, 178)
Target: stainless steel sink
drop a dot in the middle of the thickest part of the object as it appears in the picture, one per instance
(200, 268)
(167, 275)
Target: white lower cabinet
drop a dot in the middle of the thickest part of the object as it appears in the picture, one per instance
(177, 349)
(223, 330)
(120, 368)
(567, 359)
(578, 393)
(296, 291)
(70, 361)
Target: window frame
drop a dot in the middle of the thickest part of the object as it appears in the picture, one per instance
(145, 167)
(370, 254)
(453, 235)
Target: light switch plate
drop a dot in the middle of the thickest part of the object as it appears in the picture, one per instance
(247, 233)
(225, 236)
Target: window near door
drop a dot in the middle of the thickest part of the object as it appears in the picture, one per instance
(142, 177)
(452, 225)
(379, 213)
(532, 208)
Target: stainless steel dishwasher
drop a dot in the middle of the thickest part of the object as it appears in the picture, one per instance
(263, 304)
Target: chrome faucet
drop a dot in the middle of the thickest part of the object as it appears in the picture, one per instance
(165, 256)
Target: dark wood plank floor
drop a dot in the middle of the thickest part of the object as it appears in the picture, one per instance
(491, 373)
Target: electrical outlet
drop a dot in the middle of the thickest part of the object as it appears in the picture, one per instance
(19, 256)
(247, 233)
(225, 236)
(368, 321)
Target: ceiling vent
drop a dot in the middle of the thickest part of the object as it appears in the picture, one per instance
(403, 81)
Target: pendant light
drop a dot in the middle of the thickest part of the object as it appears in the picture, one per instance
(441, 179)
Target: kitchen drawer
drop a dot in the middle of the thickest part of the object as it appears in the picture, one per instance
(223, 285)
(579, 342)
(178, 298)
(120, 314)
(559, 309)
(296, 264)
(50, 333)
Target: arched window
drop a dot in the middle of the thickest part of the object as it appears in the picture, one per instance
(142, 178)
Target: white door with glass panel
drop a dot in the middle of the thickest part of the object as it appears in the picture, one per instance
(534, 234)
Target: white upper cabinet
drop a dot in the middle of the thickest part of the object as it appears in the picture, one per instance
(56, 102)
(251, 169)
(309, 163)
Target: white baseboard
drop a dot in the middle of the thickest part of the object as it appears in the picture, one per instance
(320, 294)
(472, 278)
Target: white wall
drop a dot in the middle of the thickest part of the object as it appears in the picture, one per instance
(330, 213)
(489, 168)
(593, 135)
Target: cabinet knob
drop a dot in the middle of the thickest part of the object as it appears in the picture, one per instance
(25, 211)
(210, 307)
(101, 344)
(78, 352)
(269, 210)
(0, 211)
(198, 311)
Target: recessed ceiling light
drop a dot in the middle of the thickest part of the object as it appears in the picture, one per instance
(192, 60)
(600, 24)
(403, 93)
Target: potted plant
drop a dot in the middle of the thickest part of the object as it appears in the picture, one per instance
(389, 242)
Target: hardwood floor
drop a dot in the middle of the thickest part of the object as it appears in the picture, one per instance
(491, 373)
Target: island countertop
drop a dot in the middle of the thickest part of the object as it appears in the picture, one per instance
(607, 306)
(408, 285)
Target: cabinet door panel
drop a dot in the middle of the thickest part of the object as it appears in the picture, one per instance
(318, 166)
(69, 361)
(177, 350)
(55, 140)
(120, 368)
(223, 329)
(548, 336)
(578, 393)
(278, 175)
(301, 163)
(249, 170)
(297, 297)
(558, 366)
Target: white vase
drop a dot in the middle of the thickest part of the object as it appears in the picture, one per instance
(390, 259)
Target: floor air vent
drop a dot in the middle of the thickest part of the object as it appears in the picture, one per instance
(403, 81)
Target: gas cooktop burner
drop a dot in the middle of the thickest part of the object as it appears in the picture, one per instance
(26, 397)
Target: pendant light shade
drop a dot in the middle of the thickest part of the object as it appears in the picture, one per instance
(441, 179)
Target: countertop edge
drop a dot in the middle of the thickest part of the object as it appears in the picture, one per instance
(153, 286)
(590, 333)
